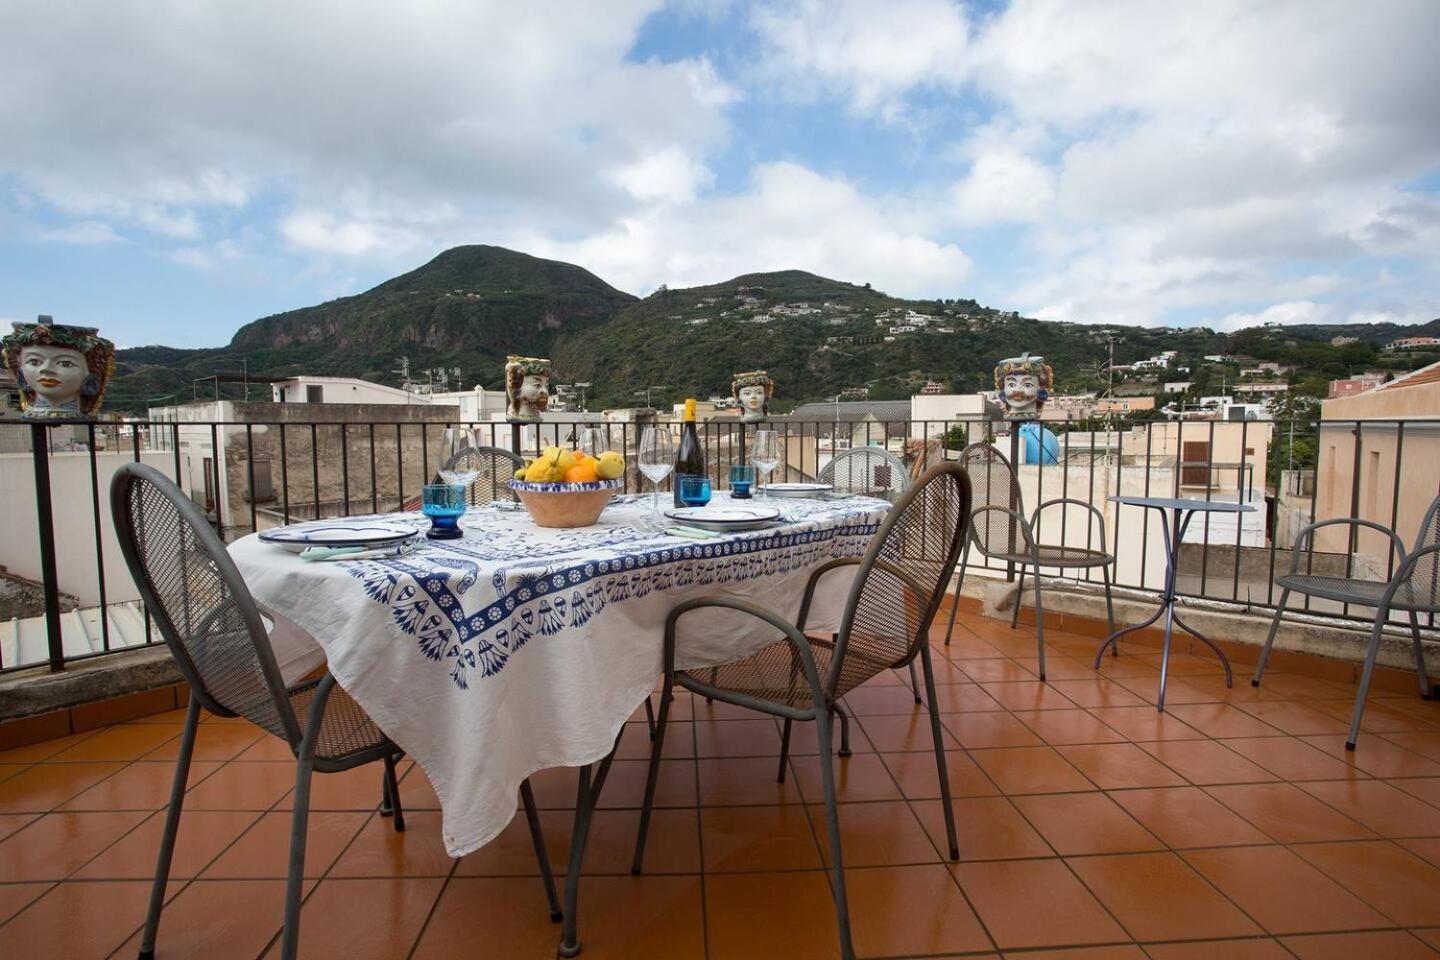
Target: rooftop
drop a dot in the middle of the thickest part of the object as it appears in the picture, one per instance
(1234, 822)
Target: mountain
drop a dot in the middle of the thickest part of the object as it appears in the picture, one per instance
(466, 308)
(693, 340)
(471, 305)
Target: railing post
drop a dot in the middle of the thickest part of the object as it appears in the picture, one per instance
(45, 515)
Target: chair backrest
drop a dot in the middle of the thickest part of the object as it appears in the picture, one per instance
(867, 470)
(902, 578)
(194, 593)
(496, 467)
(1424, 578)
(994, 485)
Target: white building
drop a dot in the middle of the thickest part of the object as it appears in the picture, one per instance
(307, 389)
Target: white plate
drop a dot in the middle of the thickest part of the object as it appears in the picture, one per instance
(796, 489)
(340, 533)
(724, 518)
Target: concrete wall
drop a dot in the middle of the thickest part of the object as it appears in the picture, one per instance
(1397, 482)
(71, 495)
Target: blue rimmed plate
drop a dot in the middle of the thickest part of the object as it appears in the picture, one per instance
(373, 534)
(725, 518)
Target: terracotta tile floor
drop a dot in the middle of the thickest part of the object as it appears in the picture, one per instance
(1233, 826)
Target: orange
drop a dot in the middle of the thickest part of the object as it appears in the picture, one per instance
(583, 472)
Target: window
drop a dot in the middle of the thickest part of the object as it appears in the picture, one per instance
(314, 394)
(1195, 463)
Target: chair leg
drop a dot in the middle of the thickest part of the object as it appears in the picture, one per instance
(172, 826)
(941, 766)
(832, 822)
(839, 711)
(1420, 673)
(1364, 692)
(649, 718)
(386, 810)
(1110, 607)
(1019, 596)
(392, 787)
(955, 604)
(784, 750)
(651, 780)
(1269, 640)
(537, 838)
(299, 825)
(915, 683)
(1039, 622)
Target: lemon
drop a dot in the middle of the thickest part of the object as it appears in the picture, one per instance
(609, 465)
(565, 460)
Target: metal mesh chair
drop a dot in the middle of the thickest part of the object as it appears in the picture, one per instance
(1413, 587)
(194, 593)
(496, 467)
(885, 625)
(867, 470)
(872, 472)
(1000, 531)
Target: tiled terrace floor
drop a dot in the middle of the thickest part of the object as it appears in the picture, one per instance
(1233, 826)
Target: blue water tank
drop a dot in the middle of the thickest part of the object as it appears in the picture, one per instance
(1039, 444)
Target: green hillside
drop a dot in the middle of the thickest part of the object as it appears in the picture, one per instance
(466, 308)
(471, 305)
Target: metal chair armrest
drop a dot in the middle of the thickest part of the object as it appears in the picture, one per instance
(1094, 511)
(820, 571)
(1306, 536)
(800, 645)
(1403, 574)
(1019, 519)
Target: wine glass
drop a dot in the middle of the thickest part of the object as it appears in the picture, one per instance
(657, 459)
(593, 441)
(454, 441)
(765, 454)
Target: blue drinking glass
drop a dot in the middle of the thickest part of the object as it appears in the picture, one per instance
(694, 491)
(444, 504)
(742, 478)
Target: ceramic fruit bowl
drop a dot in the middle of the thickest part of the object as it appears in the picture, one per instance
(565, 504)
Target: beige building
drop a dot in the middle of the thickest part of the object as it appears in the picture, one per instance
(1390, 438)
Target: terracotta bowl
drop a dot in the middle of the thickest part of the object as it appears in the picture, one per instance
(565, 504)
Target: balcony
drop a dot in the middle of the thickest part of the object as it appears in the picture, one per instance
(1234, 822)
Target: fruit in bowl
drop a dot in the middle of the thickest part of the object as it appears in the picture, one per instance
(568, 488)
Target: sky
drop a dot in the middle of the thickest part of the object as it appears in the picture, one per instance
(172, 169)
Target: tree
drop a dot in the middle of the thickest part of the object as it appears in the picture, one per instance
(954, 438)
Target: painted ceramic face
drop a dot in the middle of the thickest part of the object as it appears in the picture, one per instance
(533, 387)
(56, 374)
(752, 398)
(1021, 390)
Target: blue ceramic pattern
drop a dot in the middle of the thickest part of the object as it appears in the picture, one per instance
(544, 583)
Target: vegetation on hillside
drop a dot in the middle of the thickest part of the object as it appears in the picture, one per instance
(471, 305)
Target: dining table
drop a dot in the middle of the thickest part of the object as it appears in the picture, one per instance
(1181, 511)
(519, 648)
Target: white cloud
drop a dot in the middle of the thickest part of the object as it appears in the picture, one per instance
(319, 232)
(1290, 312)
(788, 217)
(207, 258)
(1004, 185)
(84, 233)
(871, 54)
(157, 115)
(668, 175)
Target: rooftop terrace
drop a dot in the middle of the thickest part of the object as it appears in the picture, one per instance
(1233, 825)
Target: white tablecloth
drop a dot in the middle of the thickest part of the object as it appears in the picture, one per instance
(519, 648)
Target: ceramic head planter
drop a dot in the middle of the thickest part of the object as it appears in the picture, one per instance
(527, 387)
(1024, 384)
(753, 391)
(61, 370)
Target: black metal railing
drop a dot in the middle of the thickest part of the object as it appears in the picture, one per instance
(256, 473)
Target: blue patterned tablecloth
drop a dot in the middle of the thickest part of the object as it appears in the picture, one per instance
(518, 648)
